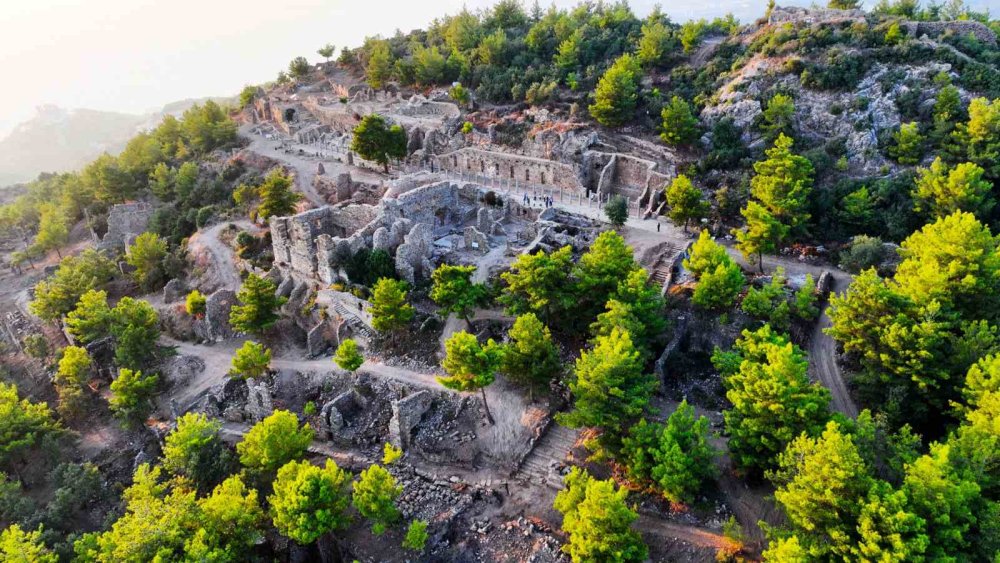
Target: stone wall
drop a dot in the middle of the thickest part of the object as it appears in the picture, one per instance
(125, 222)
(406, 414)
(629, 176)
(313, 245)
(523, 169)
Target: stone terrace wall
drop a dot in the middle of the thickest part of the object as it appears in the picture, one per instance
(523, 169)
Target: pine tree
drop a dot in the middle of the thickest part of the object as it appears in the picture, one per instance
(941, 191)
(454, 290)
(374, 139)
(379, 68)
(530, 357)
(470, 366)
(783, 183)
(598, 521)
(348, 357)
(909, 144)
(617, 92)
(686, 202)
(763, 233)
(274, 441)
(389, 307)
(772, 397)
(252, 360)
(609, 388)
(276, 196)
(310, 501)
(539, 283)
(52, 230)
(259, 304)
(131, 393)
(374, 497)
(778, 117)
(679, 126)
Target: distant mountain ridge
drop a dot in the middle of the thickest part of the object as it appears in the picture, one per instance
(61, 140)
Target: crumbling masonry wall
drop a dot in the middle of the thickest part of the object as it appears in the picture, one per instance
(312, 246)
(523, 169)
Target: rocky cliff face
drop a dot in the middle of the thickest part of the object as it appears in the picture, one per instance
(850, 85)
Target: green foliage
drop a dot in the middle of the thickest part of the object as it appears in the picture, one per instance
(654, 45)
(467, 127)
(276, 196)
(470, 366)
(705, 255)
(530, 357)
(617, 93)
(805, 300)
(616, 210)
(258, 308)
(783, 183)
(686, 202)
(310, 501)
(416, 535)
(894, 34)
(864, 252)
(391, 454)
(763, 233)
(23, 425)
(298, 68)
(146, 255)
(955, 262)
(379, 67)
(679, 126)
(948, 110)
(135, 328)
(642, 301)
(675, 457)
(609, 388)
(375, 140)
(778, 118)
(770, 302)
(91, 319)
(598, 521)
(52, 230)
(944, 499)
(843, 4)
(247, 96)
(231, 523)
(454, 291)
(36, 346)
(19, 546)
(71, 378)
(539, 283)
(461, 96)
(252, 360)
(719, 288)
(58, 294)
(599, 271)
(389, 307)
(908, 144)
(326, 51)
(772, 397)
(194, 450)
(274, 441)
(348, 357)
(131, 393)
(821, 485)
(194, 303)
(980, 136)
(942, 191)
(374, 497)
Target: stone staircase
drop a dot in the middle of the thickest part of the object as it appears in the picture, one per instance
(548, 456)
(351, 318)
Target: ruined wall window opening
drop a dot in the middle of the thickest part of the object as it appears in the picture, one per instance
(289, 114)
(527, 175)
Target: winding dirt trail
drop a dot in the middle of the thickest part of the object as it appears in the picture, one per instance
(218, 257)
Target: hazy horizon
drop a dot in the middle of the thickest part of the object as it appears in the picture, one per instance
(134, 56)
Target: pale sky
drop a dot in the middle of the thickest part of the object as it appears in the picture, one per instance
(137, 55)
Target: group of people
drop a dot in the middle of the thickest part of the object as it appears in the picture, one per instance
(547, 201)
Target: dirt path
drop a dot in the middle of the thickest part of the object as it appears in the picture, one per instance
(218, 359)
(304, 165)
(218, 257)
